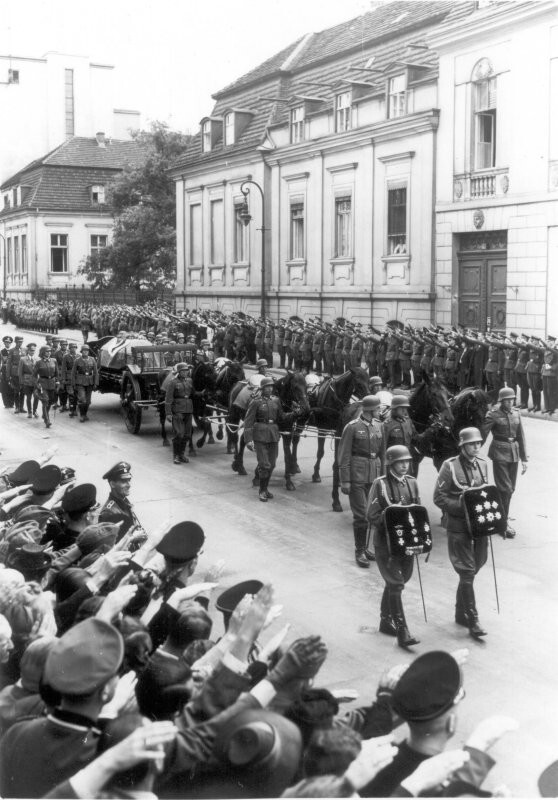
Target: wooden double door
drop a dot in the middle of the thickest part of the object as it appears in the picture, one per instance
(482, 289)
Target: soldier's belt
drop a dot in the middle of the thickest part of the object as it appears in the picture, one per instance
(509, 439)
(364, 455)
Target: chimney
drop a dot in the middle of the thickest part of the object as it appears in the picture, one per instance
(100, 136)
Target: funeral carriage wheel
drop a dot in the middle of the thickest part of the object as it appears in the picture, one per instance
(129, 398)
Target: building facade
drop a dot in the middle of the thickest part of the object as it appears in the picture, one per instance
(340, 133)
(497, 169)
(55, 213)
(50, 99)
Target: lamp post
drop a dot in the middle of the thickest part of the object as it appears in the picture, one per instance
(246, 218)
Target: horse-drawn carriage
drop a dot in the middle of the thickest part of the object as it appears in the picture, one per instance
(134, 369)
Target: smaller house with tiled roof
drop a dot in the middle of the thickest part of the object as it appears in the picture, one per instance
(54, 212)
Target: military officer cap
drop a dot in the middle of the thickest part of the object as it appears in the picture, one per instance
(370, 402)
(120, 470)
(84, 658)
(46, 479)
(23, 474)
(400, 401)
(267, 382)
(55, 339)
(469, 435)
(230, 598)
(73, 344)
(80, 499)
(7, 339)
(19, 338)
(261, 362)
(31, 344)
(48, 337)
(506, 394)
(182, 542)
(63, 341)
(375, 380)
(397, 452)
(428, 688)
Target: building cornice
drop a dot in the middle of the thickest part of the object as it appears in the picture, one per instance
(493, 19)
(221, 162)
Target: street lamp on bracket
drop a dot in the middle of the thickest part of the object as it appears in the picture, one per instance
(246, 218)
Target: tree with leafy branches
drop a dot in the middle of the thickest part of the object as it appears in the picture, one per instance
(142, 253)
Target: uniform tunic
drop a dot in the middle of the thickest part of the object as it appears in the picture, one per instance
(360, 460)
(506, 449)
(119, 509)
(261, 427)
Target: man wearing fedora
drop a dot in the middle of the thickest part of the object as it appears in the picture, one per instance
(360, 460)
(508, 447)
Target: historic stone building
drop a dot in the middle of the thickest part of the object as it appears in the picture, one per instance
(497, 169)
(340, 132)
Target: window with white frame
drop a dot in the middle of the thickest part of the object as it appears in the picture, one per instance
(485, 124)
(9, 256)
(59, 252)
(217, 230)
(240, 235)
(24, 253)
(195, 234)
(17, 265)
(97, 242)
(397, 220)
(297, 124)
(343, 112)
(343, 247)
(206, 136)
(229, 128)
(397, 91)
(296, 234)
(97, 195)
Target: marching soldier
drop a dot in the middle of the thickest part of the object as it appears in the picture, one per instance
(45, 378)
(399, 429)
(467, 554)
(360, 463)
(26, 382)
(13, 373)
(396, 486)
(179, 409)
(85, 378)
(507, 448)
(261, 433)
(59, 356)
(5, 388)
(66, 378)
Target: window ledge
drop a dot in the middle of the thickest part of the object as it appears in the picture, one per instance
(342, 260)
(296, 262)
(396, 258)
(240, 263)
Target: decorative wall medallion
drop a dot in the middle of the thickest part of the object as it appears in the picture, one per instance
(478, 218)
(482, 70)
(458, 189)
(505, 183)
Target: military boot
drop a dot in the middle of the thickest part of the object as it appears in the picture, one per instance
(360, 530)
(404, 637)
(263, 490)
(460, 616)
(387, 625)
(470, 610)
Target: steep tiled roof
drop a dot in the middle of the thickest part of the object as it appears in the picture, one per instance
(80, 151)
(319, 65)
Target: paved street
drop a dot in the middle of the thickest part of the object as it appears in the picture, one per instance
(305, 550)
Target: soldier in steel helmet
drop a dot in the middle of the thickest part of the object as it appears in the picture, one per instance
(398, 487)
(467, 554)
(179, 409)
(399, 428)
(261, 432)
(508, 447)
(360, 461)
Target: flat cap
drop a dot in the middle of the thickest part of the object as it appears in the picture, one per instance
(23, 474)
(230, 598)
(120, 470)
(182, 542)
(47, 479)
(80, 498)
(84, 658)
(428, 688)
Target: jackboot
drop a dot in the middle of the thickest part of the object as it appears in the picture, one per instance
(263, 490)
(387, 625)
(460, 617)
(182, 452)
(176, 452)
(367, 552)
(359, 530)
(470, 610)
(404, 638)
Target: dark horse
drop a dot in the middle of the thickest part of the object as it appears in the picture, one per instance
(327, 406)
(439, 432)
(204, 381)
(227, 378)
(291, 390)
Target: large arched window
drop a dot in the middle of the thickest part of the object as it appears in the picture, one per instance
(484, 111)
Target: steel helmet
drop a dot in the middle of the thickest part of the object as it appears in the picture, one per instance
(375, 380)
(256, 380)
(506, 394)
(469, 435)
(370, 402)
(261, 362)
(267, 382)
(182, 365)
(400, 401)
(398, 452)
